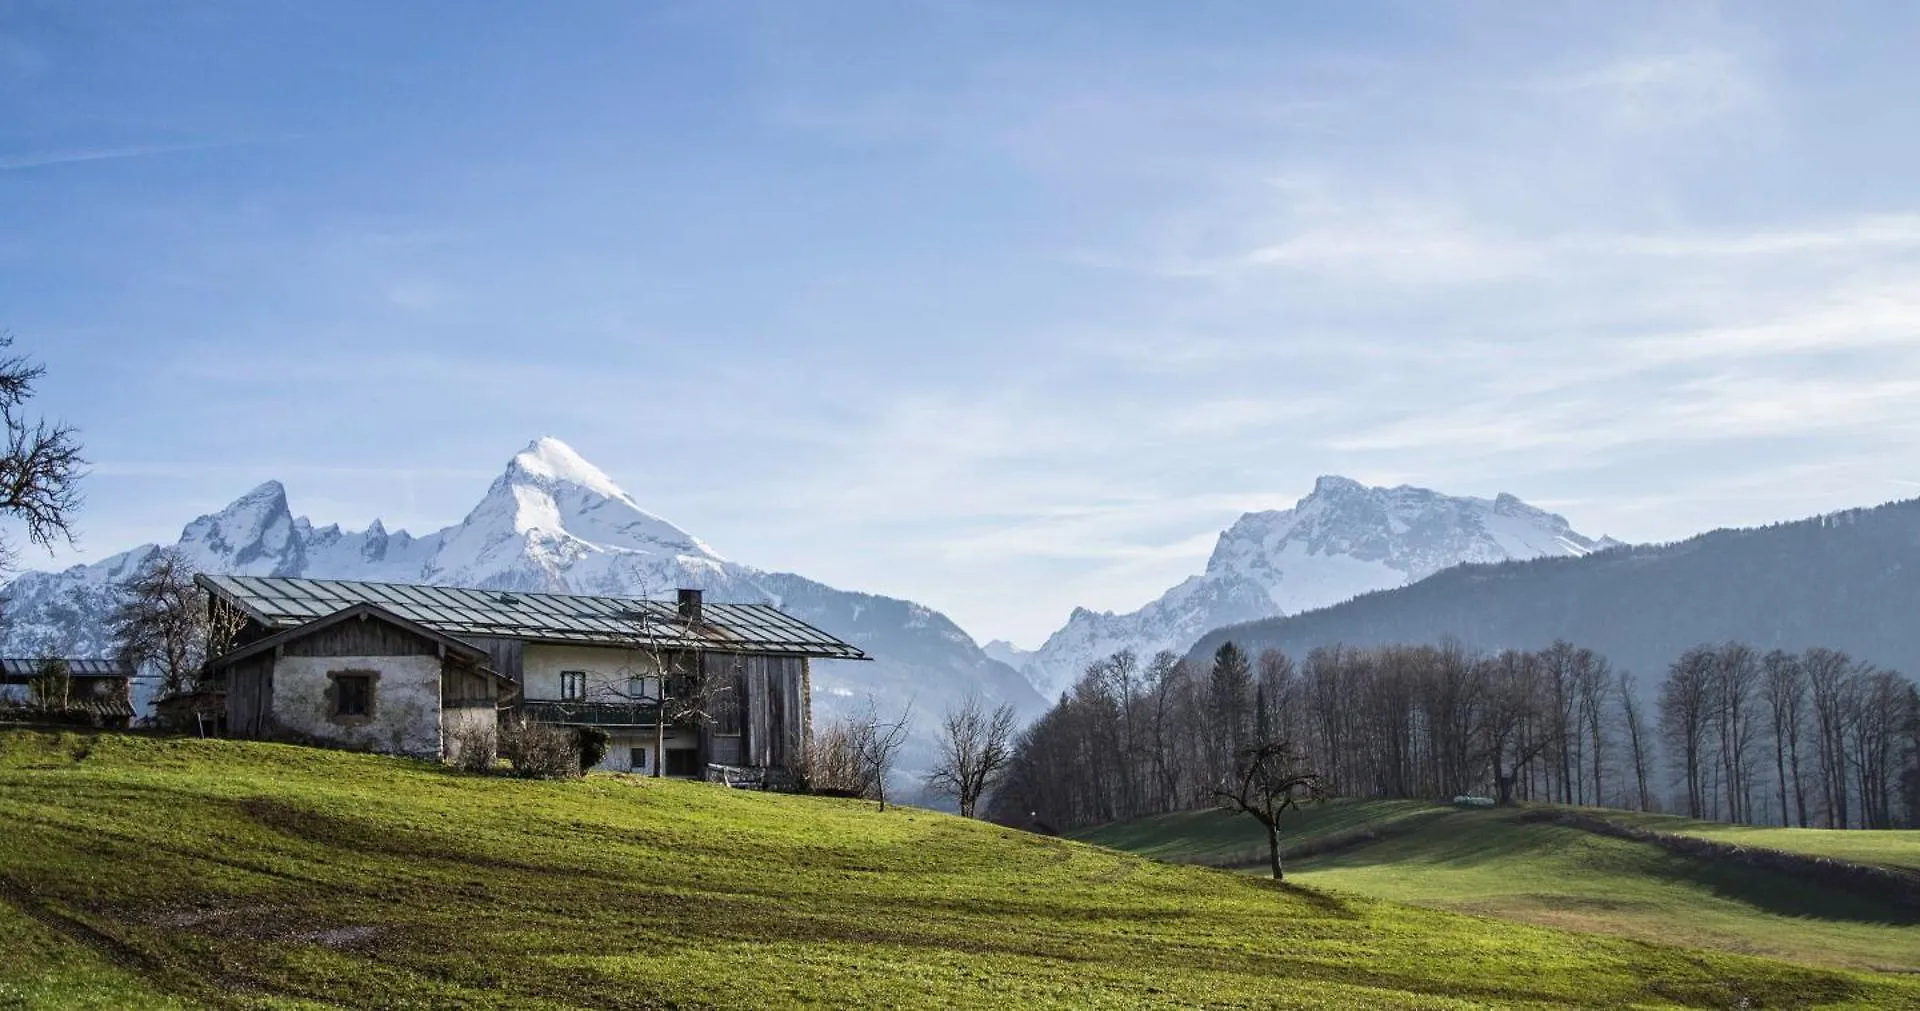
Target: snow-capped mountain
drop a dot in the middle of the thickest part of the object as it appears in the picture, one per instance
(551, 521)
(1342, 540)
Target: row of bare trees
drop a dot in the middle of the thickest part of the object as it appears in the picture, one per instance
(1741, 733)
(1791, 738)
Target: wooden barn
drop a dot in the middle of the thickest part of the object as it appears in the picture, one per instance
(412, 669)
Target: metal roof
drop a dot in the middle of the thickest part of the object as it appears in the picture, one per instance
(361, 610)
(281, 603)
(29, 667)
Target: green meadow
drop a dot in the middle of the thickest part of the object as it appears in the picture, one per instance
(142, 872)
(1492, 863)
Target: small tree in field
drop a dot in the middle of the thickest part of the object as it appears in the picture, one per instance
(975, 749)
(1270, 778)
(876, 742)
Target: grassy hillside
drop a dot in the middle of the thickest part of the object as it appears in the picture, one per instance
(149, 873)
(1896, 848)
(1488, 862)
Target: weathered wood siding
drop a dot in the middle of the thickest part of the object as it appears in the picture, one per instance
(364, 637)
(250, 697)
(462, 686)
(507, 655)
(772, 709)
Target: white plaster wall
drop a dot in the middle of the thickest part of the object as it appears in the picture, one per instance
(620, 752)
(541, 664)
(406, 702)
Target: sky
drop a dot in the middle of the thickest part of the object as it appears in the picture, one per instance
(1001, 307)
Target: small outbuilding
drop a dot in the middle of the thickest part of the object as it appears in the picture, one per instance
(68, 689)
(362, 677)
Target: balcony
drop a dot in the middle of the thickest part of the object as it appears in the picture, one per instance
(592, 714)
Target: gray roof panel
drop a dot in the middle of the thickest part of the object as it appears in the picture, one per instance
(547, 617)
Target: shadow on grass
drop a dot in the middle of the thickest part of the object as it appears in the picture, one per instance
(1476, 841)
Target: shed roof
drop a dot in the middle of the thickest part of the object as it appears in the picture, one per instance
(20, 668)
(283, 603)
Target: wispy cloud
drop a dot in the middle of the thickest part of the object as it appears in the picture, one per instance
(68, 156)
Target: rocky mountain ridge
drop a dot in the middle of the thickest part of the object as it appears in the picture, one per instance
(1341, 540)
(551, 521)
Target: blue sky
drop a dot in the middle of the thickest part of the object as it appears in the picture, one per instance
(1003, 307)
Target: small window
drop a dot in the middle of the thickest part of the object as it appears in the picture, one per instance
(352, 694)
(573, 685)
(637, 759)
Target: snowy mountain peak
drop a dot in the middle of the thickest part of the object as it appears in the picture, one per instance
(256, 534)
(1343, 539)
(551, 517)
(550, 521)
(548, 461)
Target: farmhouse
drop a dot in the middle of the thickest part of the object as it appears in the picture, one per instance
(679, 686)
(96, 691)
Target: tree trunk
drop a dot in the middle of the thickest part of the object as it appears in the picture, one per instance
(1273, 851)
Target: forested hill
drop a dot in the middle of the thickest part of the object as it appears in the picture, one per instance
(1849, 581)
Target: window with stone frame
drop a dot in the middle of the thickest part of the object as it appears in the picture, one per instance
(352, 693)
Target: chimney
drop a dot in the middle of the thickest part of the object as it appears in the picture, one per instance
(690, 606)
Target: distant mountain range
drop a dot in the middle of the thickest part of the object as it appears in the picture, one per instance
(551, 521)
(1348, 563)
(1849, 580)
(1342, 540)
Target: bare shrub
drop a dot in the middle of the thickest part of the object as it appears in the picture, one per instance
(854, 755)
(475, 747)
(539, 750)
(833, 762)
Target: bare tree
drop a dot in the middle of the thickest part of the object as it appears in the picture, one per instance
(1784, 689)
(682, 686)
(1875, 698)
(1736, 671)
(1167, 675)
(1637, 742)
(1593, 676)
(1270, 778)
(975, 749)
(163, 622)
(1511, 728)
(41, 466)
(1686, 709)
(1828, 673)
(876, 742)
